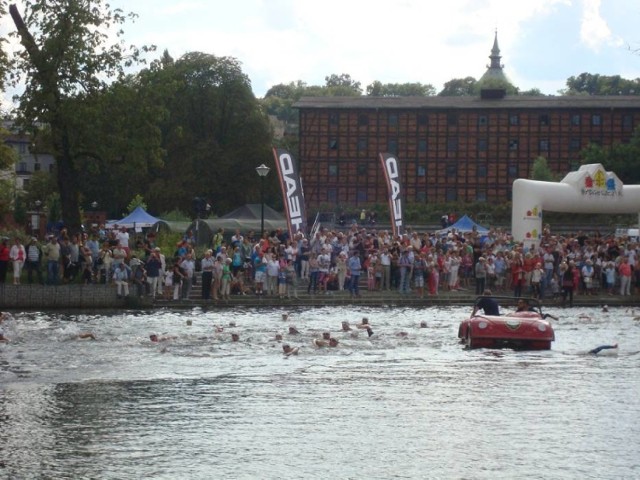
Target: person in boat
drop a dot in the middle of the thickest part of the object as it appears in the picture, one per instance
(523, 306)
(597, 350)
(488, 304)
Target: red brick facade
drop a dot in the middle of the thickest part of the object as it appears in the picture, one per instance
(450, 148)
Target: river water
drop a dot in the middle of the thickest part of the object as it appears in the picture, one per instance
(391, 406)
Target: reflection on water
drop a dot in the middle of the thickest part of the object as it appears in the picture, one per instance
(416, 406)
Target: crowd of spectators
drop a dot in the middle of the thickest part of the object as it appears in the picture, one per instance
(333, 260)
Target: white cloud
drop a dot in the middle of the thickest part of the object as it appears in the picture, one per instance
(594, 30)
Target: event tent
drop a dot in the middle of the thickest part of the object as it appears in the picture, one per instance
(244, 218)
(137, 219)
(464, 225)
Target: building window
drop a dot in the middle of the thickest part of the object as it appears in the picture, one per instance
(393, 120)
(482, 171)
(363, 119)
(596, 141)
(392, 146)
(483, 121)
(451, 195)
(421, 171)
(482, 144)
(361, 195)
(423, 119)
(332, 195)
(25, 182)
(452, 119)
(362, 169)
(421, 196)
(513, 144)
(574, 144)
(481, 195)
(36, 167)
(514, 119)
(22, 167)
(544, 120)
(333, 144)
(22, 148)
(452, 144)
(333, 119)
(51, 167)
(596, 120)
(422, 145)
(575, 120)
(362, 144)
(512, 171)
(333, 170)
(451, 170)
(627, 122)
(544, 145)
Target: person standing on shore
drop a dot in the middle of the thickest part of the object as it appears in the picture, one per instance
(4, 259)
(18, 255)
(355, 267)
(33, 261)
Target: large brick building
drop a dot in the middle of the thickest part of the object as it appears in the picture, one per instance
(465, 148)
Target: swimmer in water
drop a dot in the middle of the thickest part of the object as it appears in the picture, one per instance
(155, 338)
(285, 316)
(278, 337)
(84, 335)
(287, 350)
(597, 350)
(345, 326)
(364, 324)
(235, 337)
(293, 330)
(423, 324)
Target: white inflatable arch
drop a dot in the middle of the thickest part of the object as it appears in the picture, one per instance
(591, 189)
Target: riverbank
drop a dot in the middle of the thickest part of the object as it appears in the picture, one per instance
(45, 297)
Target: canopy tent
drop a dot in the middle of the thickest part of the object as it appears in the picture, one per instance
(245, 218)
(464, 225)
(137, 219)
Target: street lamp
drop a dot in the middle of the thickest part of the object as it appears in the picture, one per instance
(263, 171)
(35, 219)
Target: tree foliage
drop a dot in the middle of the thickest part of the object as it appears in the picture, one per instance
(541, 171)
(620, 158)
(379, 89)
(458, 87)
(595, 84)
(67, 55)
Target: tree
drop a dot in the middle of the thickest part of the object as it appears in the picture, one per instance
(541, 171)
(595, 84)
(458, 87)
(342, 85)
(620, 158)
(379, 89)
(214, 133)
(66, 53)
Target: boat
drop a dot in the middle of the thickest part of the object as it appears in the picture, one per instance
(525, 328)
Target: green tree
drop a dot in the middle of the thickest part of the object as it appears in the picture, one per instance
(342, 85)
(379, 89)
(595, 84)
(458, 87)
(620, 158)
(541, 171)
(67, 52)
(214, 133)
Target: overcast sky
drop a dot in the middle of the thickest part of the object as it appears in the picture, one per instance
(542, 42)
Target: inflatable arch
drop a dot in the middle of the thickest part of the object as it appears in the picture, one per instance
(591, 189)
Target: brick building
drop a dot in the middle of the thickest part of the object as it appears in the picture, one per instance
(465, 148)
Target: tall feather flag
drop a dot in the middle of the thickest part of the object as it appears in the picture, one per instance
(292, 193)
(391, 168)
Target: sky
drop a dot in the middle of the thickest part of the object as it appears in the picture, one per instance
(542, 42)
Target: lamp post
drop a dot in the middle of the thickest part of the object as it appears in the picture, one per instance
(35, 219)
(263, 171)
